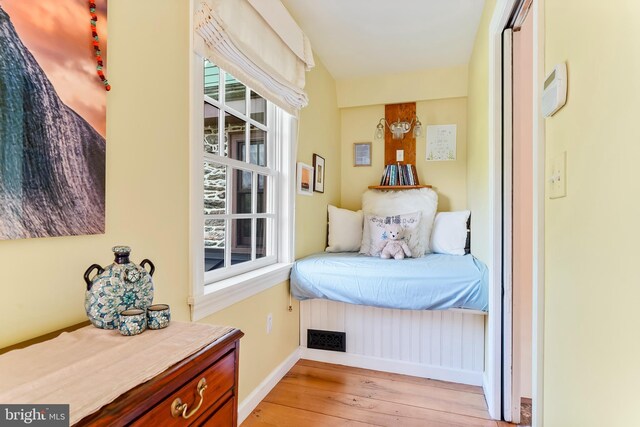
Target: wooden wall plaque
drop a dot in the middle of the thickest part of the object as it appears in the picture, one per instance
(402, 112)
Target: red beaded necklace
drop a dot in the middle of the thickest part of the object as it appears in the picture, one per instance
(96, 45)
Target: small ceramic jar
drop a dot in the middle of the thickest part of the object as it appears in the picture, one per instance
(158, 316)
(133, 321)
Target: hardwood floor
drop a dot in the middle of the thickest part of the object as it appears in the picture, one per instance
(321, 394)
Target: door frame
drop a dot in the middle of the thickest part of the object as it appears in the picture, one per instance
(493, 375)
(509, 330)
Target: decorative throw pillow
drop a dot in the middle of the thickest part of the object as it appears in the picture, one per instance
(410, 224)
(387, 203)
(449, 234)
(345, 230)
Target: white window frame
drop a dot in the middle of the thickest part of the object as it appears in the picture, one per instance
(214, 291)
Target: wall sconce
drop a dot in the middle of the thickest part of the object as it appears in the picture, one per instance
(398, 128)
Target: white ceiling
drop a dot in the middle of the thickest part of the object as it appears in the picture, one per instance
(370, 37)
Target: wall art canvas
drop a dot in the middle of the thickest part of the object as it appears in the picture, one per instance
(52, 119)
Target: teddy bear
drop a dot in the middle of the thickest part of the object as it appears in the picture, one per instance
(394, 246)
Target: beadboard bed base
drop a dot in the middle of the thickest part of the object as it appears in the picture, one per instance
(442, 345)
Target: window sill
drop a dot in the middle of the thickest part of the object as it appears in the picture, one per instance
(227, 292)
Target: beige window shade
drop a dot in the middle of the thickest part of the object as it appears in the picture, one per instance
(259, 43)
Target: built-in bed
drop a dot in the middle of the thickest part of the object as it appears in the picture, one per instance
(432, 282)
(422, 316)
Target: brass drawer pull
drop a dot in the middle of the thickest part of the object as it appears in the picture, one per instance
(179, 408)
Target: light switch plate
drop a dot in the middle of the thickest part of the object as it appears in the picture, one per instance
(399, 155)
(558, 177)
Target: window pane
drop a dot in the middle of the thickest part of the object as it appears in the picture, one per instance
(234, 132)
(258, 149)
(241, 248)
(262, 194)
(235, 94)
(258, 108)
(211, 131)
(214, 233)
(261, 237)
(242, 185)
(211, 80)
(215, 189)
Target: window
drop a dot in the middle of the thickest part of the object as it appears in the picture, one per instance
(242, 179)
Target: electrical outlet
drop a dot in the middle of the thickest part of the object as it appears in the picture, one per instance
(269, 323)
(558, 177)
(399, 155)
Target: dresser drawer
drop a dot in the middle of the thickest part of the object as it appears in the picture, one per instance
(219, 379)
(223, 417)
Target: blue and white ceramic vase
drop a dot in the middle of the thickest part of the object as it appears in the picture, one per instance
(120, 286)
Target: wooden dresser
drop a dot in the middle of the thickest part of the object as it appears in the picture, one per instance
(206, 382)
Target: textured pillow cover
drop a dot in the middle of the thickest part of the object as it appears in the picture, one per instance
(345, 230)
(389, 203)
(449, 234)
(410, 224)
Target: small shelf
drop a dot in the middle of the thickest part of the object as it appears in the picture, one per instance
(397, 187)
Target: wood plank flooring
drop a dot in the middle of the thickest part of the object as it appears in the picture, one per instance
(322, 394)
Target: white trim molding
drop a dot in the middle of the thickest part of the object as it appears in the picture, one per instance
(441, 373)
(492, 377)
(227, 292)
(255, 397)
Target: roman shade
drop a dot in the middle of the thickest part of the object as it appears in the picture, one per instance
(260, 44)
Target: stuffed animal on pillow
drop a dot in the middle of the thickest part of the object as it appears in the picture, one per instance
(394, 246)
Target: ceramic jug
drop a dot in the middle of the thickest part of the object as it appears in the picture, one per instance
(120, 286)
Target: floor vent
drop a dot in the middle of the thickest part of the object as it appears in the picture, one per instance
(326, 340)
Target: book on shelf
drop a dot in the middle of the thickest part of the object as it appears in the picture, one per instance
(399, 175)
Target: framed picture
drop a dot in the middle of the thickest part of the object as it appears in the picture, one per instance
(305, 179)
(362, 154)
(318, 173)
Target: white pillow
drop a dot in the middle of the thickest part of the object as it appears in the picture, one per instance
(345, 230)
(388, 203)
(410, 224)
(449, 234)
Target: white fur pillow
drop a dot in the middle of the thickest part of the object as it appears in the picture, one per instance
(410, 224)
(345, 230)
(389, 203)
(450, 233)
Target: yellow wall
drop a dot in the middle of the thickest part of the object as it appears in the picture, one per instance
(433, 83)
(448, 178)
(147, 173)
(41, 283)
(319, 132)
(592, 345)
(478, 139)
(261, 353)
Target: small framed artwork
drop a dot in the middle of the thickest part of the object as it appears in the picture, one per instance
(305, 179)
(318, 173)
(362, 154)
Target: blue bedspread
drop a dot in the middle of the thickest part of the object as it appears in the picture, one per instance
(433, 282)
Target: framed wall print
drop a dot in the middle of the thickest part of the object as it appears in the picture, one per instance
(362, 154)
(318, 173)
(305, 179)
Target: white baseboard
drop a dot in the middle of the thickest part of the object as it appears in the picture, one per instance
(395, 366)
(255, 397)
